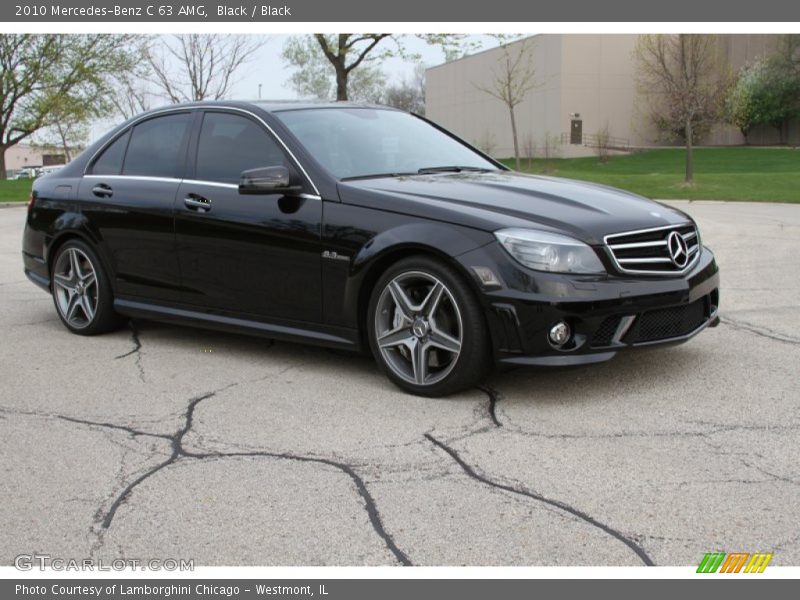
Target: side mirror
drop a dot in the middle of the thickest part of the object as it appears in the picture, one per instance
(267, 180)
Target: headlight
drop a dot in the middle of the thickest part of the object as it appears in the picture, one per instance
(552, 252)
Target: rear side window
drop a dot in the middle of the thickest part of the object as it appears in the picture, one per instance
(110, 161)
(157, 147)
(230, 144)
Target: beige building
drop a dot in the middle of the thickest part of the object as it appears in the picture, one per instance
(21, 156)
(585, 84)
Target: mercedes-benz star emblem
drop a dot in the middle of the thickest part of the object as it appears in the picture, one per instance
(678, 250)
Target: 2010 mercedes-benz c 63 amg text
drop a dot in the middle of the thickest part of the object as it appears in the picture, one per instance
(364, 228)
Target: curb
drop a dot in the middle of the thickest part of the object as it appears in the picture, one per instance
(12, 204)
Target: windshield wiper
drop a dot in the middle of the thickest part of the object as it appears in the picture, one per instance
(423, 171)
(376, 176)
(450, 169)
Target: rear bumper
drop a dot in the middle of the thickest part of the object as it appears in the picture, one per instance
(36, 270)
(605, 314)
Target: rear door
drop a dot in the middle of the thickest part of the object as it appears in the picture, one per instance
(129, 196)
(254, 255)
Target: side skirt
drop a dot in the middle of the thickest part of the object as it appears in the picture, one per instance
(332, 337)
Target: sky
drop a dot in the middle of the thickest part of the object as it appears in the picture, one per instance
(270, 71)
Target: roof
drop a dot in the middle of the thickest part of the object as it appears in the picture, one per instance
(278, 106)
(272, 106)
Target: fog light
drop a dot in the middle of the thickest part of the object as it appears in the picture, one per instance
(559, 334)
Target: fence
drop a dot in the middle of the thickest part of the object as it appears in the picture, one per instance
(592, 140)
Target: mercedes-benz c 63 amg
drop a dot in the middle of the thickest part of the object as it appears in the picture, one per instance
(364, 228)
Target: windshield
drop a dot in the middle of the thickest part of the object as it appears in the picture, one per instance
(365, 142)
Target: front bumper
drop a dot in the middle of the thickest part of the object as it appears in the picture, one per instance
(606, 313)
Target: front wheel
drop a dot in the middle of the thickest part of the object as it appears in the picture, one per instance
(81, 291)
(426, 329)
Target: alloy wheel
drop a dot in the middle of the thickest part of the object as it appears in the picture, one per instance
(418, 328)
(75, 287)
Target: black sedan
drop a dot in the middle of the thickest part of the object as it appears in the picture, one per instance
(363, 228)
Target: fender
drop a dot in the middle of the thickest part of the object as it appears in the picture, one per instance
(386, 247)
(73, 224)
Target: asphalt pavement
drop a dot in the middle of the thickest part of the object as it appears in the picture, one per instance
(159, 441)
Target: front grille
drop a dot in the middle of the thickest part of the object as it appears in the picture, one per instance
(665, 323)
(647, 251)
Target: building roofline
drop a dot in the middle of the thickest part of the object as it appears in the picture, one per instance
(484, 51)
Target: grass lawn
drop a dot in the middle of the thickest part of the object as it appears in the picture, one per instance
(12, 190)
(760, 174)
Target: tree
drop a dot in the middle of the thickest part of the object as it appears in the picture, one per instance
(685, 84)
(130, 94)
(338, 48)
(316, 79)
(512, 80)
(50, 79)
(192, 67)
(788, 53)
(130, 91)
(741, 101)
(70, 128)
(312, 77)
(778, 98)
(346, 53)
(368, 84)
(767, 91)
(602, 144)
(409, 94)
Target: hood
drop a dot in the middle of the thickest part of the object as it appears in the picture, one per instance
(494, 200)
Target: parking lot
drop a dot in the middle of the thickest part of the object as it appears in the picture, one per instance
(159, 441)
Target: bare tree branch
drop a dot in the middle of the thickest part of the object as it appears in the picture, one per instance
(682, 78)
(512, 80)
(192, 67)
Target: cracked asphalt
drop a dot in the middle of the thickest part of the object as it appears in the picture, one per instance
(159, 441)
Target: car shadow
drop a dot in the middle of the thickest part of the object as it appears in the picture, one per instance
(629, 372)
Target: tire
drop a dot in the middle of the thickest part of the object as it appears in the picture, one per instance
(81, 290)
(426, 329)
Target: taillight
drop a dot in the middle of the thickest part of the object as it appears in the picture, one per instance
(31, 199)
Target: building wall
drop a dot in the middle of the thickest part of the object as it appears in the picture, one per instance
(599, 84)
(23, 155)
(593, 75)
(454, 98)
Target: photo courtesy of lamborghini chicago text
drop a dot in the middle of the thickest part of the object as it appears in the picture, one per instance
(501, 302)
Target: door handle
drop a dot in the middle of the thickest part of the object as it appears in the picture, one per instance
(197, 203)
(101, 190)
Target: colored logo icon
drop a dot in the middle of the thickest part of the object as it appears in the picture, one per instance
(736, 562)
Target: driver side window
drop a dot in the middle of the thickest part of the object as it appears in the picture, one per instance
(230, 144)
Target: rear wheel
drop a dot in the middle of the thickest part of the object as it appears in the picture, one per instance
(426, 329)
(81, 291)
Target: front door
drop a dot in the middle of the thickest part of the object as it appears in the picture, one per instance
(253, 255)
(576, 131)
